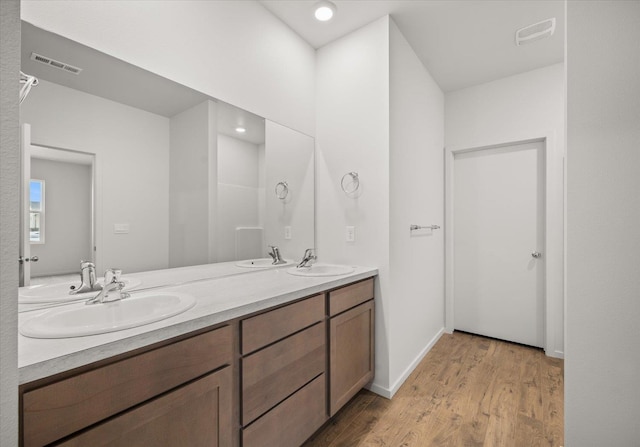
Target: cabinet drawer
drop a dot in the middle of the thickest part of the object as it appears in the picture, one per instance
(194, 415)
(272, 374)
(350, 296)
(293, 421)
(61, 408)
(268, 327)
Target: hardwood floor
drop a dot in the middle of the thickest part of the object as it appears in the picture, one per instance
(468, 391)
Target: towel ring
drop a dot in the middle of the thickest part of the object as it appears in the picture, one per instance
(282, 190)
(350, 182)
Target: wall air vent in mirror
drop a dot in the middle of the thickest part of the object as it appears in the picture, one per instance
(537, 31)
(54, 63)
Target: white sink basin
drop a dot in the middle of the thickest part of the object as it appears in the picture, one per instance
(80, 319)
(261, 263)
(59, 292)
(322, 270)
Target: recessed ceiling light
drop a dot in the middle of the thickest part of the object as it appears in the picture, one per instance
(324, 10)
(241, 129)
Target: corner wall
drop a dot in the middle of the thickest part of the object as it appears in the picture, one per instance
(416, 197)
(352, 134)
(9, 194)
(602, 366)
(193, 185)
(381, 115)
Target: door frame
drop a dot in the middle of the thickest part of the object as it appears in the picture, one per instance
(45, 151)
(553, 251)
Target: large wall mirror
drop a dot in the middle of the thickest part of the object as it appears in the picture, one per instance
(142, 173)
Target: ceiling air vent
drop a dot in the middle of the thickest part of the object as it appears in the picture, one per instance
(54, 63)
(537, 31)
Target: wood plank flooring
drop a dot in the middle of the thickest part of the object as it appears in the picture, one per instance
(468, 391)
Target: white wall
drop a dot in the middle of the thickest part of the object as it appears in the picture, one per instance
(352, 134)
(238, 196)
(495, 111)
(132, 162)
(67, 217)
(416, 197)
(235, 51)
(509, 109)
(192, 179)
(9, 205)
(602, 366)
(289, 156)
(381, 114)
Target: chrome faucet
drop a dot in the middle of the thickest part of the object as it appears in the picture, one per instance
(274, 252)
(87, 279)
(112, 290)
(308, 256)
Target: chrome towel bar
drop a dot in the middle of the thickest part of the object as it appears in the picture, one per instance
(423, 227)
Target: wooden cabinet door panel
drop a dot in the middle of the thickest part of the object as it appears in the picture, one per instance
(293, 421)
(351, 362)
(64, 407)
(196, 415)
(272, 374)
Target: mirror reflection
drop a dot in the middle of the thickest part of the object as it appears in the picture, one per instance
(145, 174)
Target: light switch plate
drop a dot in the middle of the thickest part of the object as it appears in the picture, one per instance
(287, 232)
(351, 234)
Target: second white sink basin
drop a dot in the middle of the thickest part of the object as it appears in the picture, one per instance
(80, 320)
(322, 270)
(261, 263)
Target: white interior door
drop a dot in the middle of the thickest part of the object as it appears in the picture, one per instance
(498, 225)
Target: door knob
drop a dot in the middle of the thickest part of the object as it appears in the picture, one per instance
(536, 254)
(22, 260)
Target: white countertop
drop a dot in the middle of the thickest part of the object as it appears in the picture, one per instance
(232, 292)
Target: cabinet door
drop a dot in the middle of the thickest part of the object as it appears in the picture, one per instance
(351, 354)
(196, 414)
(59, 409)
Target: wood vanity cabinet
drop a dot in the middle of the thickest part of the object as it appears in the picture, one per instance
(351, 346)
(283, 374)
(289, 386)
(176, 394)
(267, 380)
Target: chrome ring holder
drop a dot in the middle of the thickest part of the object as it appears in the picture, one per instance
(282, 190)
(350, 182)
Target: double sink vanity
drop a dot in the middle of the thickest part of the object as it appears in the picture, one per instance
(259, 357)
(227, 353)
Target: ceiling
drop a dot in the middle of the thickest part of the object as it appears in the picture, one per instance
(461, 43)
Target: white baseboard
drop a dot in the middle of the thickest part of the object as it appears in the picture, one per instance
(379, 390)
(389, 393)
(555, 354)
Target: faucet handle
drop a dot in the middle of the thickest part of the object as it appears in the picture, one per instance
(309, 252)
(112, 275)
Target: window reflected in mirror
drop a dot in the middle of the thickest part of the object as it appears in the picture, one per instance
(36, 211)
